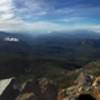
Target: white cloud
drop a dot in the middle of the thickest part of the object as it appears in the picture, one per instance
(11, 39)
(30, 27)
(31, 8)
(18, 25)
(11, 17)
(6, 9)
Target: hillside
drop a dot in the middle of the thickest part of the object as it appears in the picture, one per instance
(14, 54)
(66, 51)
(58, 61)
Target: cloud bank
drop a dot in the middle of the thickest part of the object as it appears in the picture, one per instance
(49, 15)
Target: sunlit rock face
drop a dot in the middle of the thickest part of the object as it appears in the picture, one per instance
(8, 89)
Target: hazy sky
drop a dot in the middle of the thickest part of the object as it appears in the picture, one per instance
(49, 15)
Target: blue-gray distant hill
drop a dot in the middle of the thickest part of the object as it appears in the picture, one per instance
(79, 46)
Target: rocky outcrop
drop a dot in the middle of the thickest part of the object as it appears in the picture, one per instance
(96, 88)
(85, 86)
(8, 89)
(42, 89)
(81, 85)
(48, 89)
(26, 96)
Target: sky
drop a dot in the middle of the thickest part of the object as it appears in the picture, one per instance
(49, 15)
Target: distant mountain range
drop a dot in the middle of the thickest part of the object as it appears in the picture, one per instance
(78, 45)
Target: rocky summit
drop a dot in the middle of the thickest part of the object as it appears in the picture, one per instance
(86, 86)
(42, 89)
